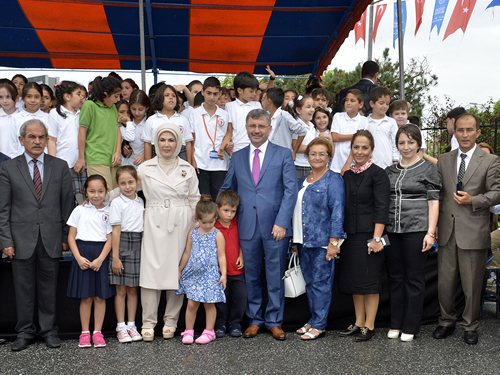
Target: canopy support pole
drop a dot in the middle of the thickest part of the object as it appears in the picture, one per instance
(400, 48)
(152, 41)
(142, 44)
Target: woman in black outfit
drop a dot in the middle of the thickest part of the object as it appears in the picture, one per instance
(366, 214)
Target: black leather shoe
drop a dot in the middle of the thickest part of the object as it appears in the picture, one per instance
(471, 337)
(52, 341)
(352, 330)
(365, 334)
(442, 332)
(20, 344)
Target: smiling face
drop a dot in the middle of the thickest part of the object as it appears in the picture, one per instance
(352, 105)
(306, 112)
(258, 131)
(32, 100)
(6, 101)
(110, 100)
(380, 107)
(361, 150)
(321, 120)
(128, 185)
(167, 144)
(126, 90)
(318, 157)
(408, 148)
(96, 192)
(289, 95)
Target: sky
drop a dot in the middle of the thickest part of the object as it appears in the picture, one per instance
(464, 63)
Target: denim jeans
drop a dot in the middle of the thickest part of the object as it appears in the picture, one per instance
(318, 275)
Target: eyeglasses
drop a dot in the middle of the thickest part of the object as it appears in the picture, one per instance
(321, 155)
(260, 127)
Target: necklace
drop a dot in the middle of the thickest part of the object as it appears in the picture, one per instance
(411, 163)
(311, 177)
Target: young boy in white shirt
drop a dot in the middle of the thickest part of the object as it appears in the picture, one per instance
(209, 125)
(383, 128)
(344, 125)
(245, 86)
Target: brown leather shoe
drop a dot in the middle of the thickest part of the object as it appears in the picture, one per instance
(278, 333)
(251, 331)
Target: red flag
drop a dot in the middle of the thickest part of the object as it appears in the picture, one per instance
(460, 17)
(378, 16)
(360, 28)
(419, 10)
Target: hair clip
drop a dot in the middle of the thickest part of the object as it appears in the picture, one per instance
(300, 97)
(58, 84)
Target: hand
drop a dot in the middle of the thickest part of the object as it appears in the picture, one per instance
(220, 154)
(229, 148)
(375, 247)
(464, 200)
(345, 168)
(240, 263)
(126, 151)
(95, 265)
(179, 88)
(271, 73)
(117, 266)
(295, 249)
(331, 252)
(84, 263)
(278, 232)
(327, 136)
(139, 159)
(428, 243)
(222, 281)
(9, 251)
(79, 166)
(180, 272)
(195, 166)
(294, 155)
(117, 159)
(65, 247)
(123, 119)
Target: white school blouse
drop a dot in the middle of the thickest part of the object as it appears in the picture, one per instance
(91, 224)
(66, 131)
(133, 134)
(128, 213)
(5, 129)
(238, 111)
(301, 158)
(158, 119)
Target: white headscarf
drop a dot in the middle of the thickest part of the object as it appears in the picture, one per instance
(168, 165)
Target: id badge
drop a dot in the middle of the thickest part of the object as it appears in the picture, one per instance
(213, 154)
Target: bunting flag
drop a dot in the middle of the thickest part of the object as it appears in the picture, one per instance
(403, 12)
(378, 16)
(494, 3)
(460, 17)
(438, 16)
(360, 29)
(419, 11)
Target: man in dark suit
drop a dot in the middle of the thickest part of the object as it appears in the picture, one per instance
(471, 185)
(369, 75)
(263, 174)
(36, 199)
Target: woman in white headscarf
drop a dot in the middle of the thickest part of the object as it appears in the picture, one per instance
(170, 186)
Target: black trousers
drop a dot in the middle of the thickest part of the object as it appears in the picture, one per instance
(209, 182)
(236, 302)
(405, 263)
(36, 276)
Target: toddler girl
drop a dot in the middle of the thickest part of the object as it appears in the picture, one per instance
(127, 218)
(199, 276)
(89, 239)
(8, 95)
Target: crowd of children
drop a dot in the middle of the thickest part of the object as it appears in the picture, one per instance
(105, 136)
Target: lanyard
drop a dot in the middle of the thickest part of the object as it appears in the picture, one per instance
(206, 129)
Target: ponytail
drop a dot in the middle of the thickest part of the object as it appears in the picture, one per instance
(102, 87)
(64, 87)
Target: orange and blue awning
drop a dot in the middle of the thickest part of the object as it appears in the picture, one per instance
(203, 36)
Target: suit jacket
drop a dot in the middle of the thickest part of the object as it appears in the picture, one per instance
(23, 215)
(482, 182)
(274, 197)
(365, 86)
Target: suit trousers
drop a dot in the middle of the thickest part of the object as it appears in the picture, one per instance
(274, 252)
(236, 302)
(36, 277)
(405, 264)
(150, 299)
(470, 265)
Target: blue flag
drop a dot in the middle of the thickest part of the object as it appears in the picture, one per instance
(494, 3)
(439, 11)
(403, 12)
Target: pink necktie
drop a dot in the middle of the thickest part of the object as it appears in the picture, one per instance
(256, 167)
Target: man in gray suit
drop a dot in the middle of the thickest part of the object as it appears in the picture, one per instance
(471, 185)
(36, 199)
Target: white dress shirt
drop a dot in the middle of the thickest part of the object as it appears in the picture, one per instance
(263, 149)
(40, 162)
(467, 159)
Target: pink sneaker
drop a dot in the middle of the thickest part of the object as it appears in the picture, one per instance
(188, 336)
(133, 333)
(206, 337)
(84, 340)
(98, 340)
(123, 335)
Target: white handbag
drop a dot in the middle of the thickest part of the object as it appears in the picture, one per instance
(295, 284)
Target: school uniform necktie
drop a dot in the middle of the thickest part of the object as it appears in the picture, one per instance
(461, 170)
(256, 167)
(37, 180)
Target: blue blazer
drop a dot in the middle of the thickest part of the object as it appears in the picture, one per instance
(273, 199)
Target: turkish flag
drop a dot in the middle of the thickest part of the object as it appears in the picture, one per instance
(378, 16)
(360, 29)
(460, 16)
(419, 11)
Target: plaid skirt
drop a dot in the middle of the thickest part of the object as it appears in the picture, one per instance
(130, 255)
(302, 171)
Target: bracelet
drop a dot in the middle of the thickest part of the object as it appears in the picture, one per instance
(271, 78)
(431, 234)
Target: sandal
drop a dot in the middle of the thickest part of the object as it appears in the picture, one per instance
(168, 332)
(148, 334)
(188, 336)
(206, 337)
(304, 329)
(309, 335)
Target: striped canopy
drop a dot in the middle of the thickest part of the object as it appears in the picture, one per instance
(203, 36)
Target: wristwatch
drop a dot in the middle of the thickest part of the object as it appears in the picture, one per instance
(377, 239)
(334, 243)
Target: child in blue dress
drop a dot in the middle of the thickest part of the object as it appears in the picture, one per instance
(199, 276)
(89, 239)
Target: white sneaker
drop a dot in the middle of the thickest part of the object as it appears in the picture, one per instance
(406, 337)
(123, 335)
(393, 334)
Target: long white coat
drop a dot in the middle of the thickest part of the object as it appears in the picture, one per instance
(169, 216)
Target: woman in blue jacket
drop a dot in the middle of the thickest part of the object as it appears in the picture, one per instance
(317, 228)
